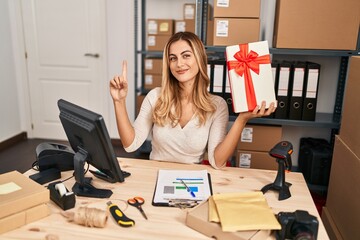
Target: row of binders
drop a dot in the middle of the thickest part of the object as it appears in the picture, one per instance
(296, 89)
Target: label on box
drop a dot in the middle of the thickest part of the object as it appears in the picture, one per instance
(9, 188)
(148, 64)
(152, 27)
(189, 12)
(164, 27)
(247, 135)
(151, 40)
(222, 28)
(222, 3)
(149, 79)
(245, 160)
(180, 26)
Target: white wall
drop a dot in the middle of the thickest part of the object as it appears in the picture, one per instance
(14, 109)
(121, 45)
(9, 105)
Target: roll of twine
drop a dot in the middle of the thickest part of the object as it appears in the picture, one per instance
(89, 217)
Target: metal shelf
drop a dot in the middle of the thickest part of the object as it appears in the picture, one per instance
(217, 53)
(289, 51)
(322, 120)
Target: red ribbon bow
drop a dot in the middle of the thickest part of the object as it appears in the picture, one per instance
(246, 62)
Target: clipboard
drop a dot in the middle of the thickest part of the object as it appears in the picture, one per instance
(170, 191)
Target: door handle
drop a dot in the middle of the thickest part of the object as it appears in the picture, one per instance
(94, 55)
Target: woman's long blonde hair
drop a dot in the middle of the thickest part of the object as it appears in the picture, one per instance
(168, 106)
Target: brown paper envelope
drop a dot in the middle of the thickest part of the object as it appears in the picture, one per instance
(244, 211)
(213, 214)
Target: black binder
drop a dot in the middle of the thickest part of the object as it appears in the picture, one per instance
(227, 91)
(219, 82)
(311, 91)
(297, 80)
(282, 90)
(275, 67)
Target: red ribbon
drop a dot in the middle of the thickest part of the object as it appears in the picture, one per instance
(246, 62)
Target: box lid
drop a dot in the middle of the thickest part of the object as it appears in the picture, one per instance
(18, 193)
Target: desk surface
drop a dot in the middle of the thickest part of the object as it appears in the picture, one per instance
(163, 222)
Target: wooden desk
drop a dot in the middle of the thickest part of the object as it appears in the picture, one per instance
(164, 222)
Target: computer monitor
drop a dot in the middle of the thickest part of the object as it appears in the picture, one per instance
(89, 138)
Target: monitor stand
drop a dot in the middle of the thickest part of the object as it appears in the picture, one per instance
(83, 186)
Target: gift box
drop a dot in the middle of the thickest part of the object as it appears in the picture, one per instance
(250, 75)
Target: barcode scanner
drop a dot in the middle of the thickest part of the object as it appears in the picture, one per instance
(282, 152)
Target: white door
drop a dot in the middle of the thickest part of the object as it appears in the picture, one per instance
(65, 45)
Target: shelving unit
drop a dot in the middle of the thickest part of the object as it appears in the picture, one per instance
(331, 121)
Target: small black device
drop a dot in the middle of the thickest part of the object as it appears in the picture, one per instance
(282, 152)
(46, 175)
(89, 138)
(315, 155)
(297, 225)
(54, 155)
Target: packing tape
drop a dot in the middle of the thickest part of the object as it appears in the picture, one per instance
(61, 189)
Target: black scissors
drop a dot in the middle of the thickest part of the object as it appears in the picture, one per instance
(137, 202)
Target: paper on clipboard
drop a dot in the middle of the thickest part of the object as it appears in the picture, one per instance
(170, 187)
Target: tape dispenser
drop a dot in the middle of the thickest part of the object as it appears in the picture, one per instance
(60, 195)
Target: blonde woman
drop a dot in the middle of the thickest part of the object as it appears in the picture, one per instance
(182, 117)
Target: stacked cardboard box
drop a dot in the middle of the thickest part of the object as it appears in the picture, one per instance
(158, 33)
(321, 24)
(342, 211)
(236, 21)
(153, 73)
(254, 146)
(139, 100)
(187, 24)
(22, 201)
(189, 21)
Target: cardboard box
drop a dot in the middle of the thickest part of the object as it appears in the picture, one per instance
(237, 8)
(160, 26)
(189, 11)
(153, 66)
(350, 120)
(152, 81)
(157, 42)
(22, 218)
(198, 219)
(321, 24)
(139, 100)
(259, 137)
(185, 26)
(231, 31)
(210, 33)
(343, 192)
(250, 84)
(19, 193)
(330, 225)
(255, 159)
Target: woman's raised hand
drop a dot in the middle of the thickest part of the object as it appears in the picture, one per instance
(119, 84)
